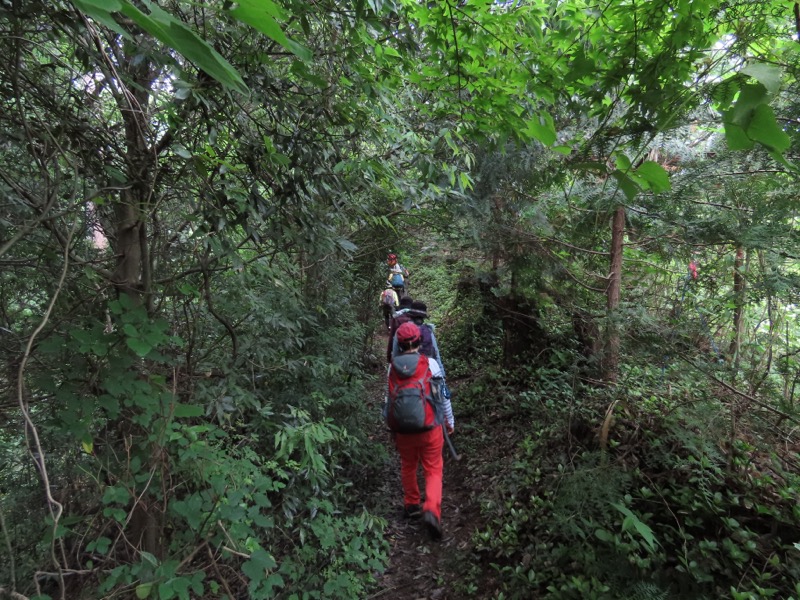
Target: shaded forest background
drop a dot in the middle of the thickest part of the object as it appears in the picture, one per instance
(597, 201)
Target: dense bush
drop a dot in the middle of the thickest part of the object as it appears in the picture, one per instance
(670, 510)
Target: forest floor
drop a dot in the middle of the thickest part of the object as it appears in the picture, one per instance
(420, 568)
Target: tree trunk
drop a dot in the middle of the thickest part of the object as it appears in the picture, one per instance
(611, 362)
(132, 274)
(523, 336)
(774, 322)
(127, 246)
(497, 218)
(739, 284)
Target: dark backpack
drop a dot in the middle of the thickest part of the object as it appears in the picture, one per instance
(410, 406)
(426, 345)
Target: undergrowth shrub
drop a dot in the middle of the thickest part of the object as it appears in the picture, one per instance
(671, 509)
(472, 338)
(189, 472)
(434, 280)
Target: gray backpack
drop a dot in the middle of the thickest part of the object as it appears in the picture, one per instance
(410, 405)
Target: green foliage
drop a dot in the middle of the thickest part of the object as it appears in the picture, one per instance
(471, 336)
(171, 31)
(232, 501)
(661, 515)
(194, 198)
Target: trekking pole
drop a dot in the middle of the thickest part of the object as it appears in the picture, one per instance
(456, 455)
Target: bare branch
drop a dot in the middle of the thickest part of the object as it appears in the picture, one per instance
(37, 452)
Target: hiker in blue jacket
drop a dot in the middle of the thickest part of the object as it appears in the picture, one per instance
(397, 275)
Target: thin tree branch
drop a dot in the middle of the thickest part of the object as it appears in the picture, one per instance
(37, 452)
(584, 250)
(7, 538)
(219, 317)
(458, 58)
(730, 388)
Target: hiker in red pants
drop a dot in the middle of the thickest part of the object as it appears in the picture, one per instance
(416, 411)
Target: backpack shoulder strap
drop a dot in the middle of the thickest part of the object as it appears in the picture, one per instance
(424, 359)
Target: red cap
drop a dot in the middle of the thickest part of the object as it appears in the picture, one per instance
(408, 333)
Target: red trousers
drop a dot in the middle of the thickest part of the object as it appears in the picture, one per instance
(425, 448)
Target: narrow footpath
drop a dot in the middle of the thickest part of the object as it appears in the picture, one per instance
(420, 568)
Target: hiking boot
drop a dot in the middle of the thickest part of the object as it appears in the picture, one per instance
(432, 523)
(412, 511)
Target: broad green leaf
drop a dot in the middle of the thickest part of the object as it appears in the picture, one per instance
(167, 29)
(301, 69)
(143, 590)
(346, 245)
(205, 57)
(106, 6)
(299, 50)
(176, 587)
(139, 346)
(766, 74)
(629, 187)
(182, 151)
(109, 404)
(541, 128)
(780, 159)
(127, 302)
(603, 535)
(632, 521)
(117, 514)
(580, 67)
(736, 137)
(256, 567)
(646, 533)
(724, 93)
(465, 182)
(151, 26)
(115, 174)
(100, 11)
(750, 97)
(622, 161)
(166, 591)
(764, 129)
(101, 545)
(116, 494)
(261, 15)
(188, 410)
(276, 581)
(655, 175)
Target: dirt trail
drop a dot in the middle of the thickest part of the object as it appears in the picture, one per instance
(419, 568)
